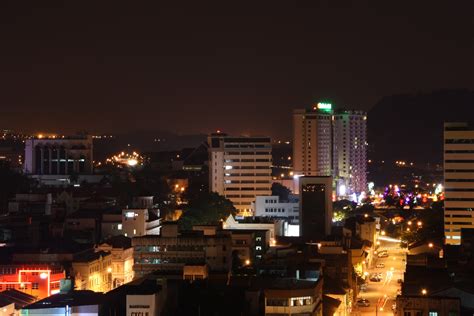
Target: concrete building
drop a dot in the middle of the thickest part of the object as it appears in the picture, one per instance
(315, 207)
(240, 168)
(286, 296)
(350, 152)
(172, 250)
(271, 206)
(92, 270)
(273, 226)
(122, 259)
(52, 160)
(458, 180)
(428, 305)
(140, 222)
(312, 141)
(37, 280)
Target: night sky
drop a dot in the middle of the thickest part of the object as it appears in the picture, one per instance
(197, 67)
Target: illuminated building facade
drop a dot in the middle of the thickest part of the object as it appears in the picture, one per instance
(122, 259)
(92, 270)
(312, 140)
(58, 156)
(315, 207)
(350, 152)
(240, 169)
(37, 280)
(458, 180)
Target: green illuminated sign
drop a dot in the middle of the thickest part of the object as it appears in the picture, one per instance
(324, 106)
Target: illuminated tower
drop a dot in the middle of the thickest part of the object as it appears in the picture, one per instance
(312, 140)
(350, 152)
(458, 180)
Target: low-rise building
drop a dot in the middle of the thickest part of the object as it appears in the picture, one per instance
(172, 250)
(271, 206)
(140, 222)
(92, 270)
(37, 280)
(428, 305)
(293, 297)
(274, 226)
(122, 259)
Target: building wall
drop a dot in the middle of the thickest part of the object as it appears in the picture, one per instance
(134, 222)
(270, 206)
(240, 169)
(40, 281)
(59, 156)
(122, 264)
(411, 305)
(458, 180)
(172, 253)
(95, 275)
(315, 207)
(350, 152)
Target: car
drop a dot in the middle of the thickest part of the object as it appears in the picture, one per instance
(363, 302)
(363, 287)
(382, 255)
(375, 279)
(380, 265)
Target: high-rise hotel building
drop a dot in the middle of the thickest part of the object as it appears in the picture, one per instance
(312, 141)
(350, 152)
(458, 180)
(240, 168)
(331, 143)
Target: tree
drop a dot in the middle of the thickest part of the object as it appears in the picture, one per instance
(280, 190)
(206, 208)
(11, 182)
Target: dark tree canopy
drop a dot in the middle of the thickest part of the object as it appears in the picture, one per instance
(206, 208)
(280, 190)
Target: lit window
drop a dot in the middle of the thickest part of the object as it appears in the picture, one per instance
(119, 226)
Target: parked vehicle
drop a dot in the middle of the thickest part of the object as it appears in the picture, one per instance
(363, 302)
(380, 265)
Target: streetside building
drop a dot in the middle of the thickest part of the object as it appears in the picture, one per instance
(92, 270)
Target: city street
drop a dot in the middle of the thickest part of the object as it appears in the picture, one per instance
(382, 295)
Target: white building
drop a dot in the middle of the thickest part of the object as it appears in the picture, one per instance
(458, 180)
(312, 140)
(240, 168)
(350, 152)
(271, 206)
(140, 222)
(52, 160)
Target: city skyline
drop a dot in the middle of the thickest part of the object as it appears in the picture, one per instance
(165, 67)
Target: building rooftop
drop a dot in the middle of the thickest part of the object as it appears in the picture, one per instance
(73, 298)
(119, 241)
(90, 255)
(20, 299)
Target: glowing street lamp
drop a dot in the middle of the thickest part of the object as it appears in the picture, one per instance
(430, 245)
(419, 223)
(424, 291)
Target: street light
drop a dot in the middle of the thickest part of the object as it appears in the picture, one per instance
(383, 232)
(419, 223)
(430, 245)
(409, 223)
(424, 291)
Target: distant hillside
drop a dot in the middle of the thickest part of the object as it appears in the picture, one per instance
(410, 127)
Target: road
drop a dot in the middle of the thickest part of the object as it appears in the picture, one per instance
(382, 295)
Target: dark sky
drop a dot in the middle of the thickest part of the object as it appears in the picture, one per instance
(240, 67)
